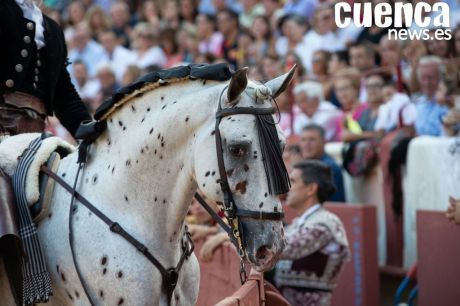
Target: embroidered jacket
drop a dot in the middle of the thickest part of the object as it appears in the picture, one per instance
(316, 249)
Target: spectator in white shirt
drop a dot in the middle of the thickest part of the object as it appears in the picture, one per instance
(251, 9)
(362, 57)
(85, 49)
(98, 20)
(324, 35)
(310, 99)
(397, 110)
(75, 13)
(210, 39)
(115, 55)
(147, 52)
(86, 88)
(293, 28)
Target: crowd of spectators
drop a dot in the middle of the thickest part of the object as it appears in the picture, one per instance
(112, 42)
(353, 85)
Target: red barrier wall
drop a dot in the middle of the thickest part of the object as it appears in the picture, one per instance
(255, 292)
(220, 283)
(250, 294)
(358, 283)
(438, 269)
(218, 278)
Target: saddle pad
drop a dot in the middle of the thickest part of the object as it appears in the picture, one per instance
(46, 186)
(13, 147)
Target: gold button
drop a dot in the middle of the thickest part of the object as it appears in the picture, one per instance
(37, 71)
(18, 67)
(9, 83)
(30, 26)
(35, 85)
(39, 63)
(36, 78)
(27, 39)
(24, 53)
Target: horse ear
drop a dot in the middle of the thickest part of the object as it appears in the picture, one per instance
(279, 84)
(237, 85)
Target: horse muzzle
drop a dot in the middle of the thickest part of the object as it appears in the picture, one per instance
(263, 242)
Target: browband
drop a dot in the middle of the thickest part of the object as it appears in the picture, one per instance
(244, 111)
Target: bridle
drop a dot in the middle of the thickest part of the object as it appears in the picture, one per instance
(233, 214)
(90, 131)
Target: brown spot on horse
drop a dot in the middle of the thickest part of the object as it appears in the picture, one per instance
(241, 187)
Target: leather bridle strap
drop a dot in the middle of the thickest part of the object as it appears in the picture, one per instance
(260, 215)
(170, 276)
(244, 111)
(213, 214)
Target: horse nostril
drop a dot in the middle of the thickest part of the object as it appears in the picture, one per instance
(262, 252)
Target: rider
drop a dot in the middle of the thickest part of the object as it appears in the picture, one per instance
(34, 83)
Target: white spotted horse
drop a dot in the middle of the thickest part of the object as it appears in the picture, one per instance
(165, 136)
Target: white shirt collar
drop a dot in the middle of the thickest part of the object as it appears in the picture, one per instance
(32, 12)
(24, 2)
(310, 211)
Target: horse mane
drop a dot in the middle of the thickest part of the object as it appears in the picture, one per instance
(150, 81)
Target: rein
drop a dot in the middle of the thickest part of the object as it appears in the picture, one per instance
(169, 276)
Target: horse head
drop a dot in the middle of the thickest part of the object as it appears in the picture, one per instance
(249, 142)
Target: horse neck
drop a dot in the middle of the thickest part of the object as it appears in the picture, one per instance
(146, 155)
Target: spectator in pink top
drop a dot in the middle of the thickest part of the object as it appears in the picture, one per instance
(346, 86)
(210, 40)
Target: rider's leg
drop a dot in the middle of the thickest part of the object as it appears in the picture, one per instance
(10, 243)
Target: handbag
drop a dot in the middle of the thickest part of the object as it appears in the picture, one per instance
(359, 157)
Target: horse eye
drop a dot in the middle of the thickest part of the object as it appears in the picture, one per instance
(238, 150)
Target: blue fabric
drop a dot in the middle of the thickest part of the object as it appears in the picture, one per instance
(206, 7)
(366, 122)
(305, 8)
(339, 195)
(90, 55)
(429, 115)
